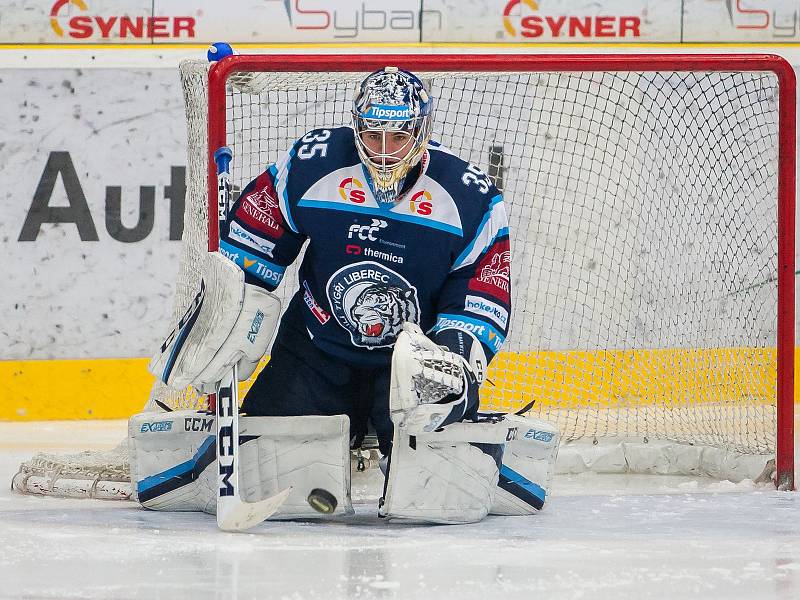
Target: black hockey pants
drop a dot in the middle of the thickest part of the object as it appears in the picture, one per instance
(300, 379)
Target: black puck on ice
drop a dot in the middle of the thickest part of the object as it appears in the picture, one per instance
(322, 501)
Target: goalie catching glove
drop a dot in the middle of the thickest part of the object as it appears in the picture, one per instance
(430, 386)
(229, 322)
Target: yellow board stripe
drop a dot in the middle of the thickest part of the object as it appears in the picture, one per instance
(671, 378)
(108, 388)
(117, 388)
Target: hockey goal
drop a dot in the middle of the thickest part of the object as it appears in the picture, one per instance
(651, 206)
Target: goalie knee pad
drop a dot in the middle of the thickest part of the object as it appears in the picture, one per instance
(173, 459)
(447, 476)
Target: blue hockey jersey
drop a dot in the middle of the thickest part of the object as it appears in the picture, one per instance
(439, 256)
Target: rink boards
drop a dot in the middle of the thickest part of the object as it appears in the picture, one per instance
(117, 388)
(54, 387)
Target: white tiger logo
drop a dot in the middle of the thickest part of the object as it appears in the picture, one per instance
(379, 313)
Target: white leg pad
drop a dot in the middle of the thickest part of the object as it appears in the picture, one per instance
(173, 461)
(302, 452)
(448, 476)
(528, 464)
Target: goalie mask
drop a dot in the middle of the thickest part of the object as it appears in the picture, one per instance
(392, 119)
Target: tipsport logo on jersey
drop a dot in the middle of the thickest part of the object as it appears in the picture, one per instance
(481, 330)
(371, 302)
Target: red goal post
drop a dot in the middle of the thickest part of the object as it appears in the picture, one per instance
(676, 69)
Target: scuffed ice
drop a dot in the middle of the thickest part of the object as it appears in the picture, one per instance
(599, 537)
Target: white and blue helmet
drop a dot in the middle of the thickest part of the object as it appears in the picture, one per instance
(392, 101)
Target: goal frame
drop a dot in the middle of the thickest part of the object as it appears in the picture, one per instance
(784, 457)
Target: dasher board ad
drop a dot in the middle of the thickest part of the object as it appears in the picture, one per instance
(613, 21)
(115, 22)
(98, 22)
(91, 226)
(181, 21)
(732, 21)
(530, 21)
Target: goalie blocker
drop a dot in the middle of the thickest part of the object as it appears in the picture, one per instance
(228, 323)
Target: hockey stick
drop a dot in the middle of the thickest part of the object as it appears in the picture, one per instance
(233, 513)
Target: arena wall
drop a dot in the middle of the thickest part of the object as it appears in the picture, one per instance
(94, 148)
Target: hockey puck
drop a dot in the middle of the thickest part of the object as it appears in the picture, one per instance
(322, 501)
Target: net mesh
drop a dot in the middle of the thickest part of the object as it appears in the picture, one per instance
(643, 216)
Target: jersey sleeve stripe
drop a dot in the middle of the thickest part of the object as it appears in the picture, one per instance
(493, 226)
(384, 214)
(281, 189)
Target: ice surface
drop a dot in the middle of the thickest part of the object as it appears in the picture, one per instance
(599, 537)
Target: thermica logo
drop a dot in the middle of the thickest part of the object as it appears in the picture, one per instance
(351, 189)
(519, 22)
(67, 21)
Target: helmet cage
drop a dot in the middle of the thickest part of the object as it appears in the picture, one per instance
(389, 168)
(390, 102)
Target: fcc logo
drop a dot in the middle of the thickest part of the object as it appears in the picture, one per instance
(366, 232)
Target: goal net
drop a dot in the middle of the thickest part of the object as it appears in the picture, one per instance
(651, 208)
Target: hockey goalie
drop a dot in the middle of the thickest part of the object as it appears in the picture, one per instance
(404, 299)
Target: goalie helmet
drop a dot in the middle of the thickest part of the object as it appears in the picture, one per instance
(392, 119)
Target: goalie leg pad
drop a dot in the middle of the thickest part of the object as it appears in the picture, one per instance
(306, 453)
(528, 465)
(448, 476)
(173, 461)
(173, 458)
